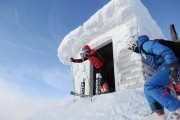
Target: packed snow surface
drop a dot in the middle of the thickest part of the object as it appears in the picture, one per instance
(125, 105)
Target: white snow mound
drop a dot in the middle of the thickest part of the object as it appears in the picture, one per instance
(126, 105)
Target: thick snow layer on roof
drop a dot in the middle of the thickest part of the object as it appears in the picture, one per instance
(109, 20)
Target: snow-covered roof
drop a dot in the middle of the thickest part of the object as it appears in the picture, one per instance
(114, 14)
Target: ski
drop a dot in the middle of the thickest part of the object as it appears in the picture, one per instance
(174, 36)
(98, 81)
(78, 94)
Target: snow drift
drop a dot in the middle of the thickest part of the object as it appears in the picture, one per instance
(126, 105)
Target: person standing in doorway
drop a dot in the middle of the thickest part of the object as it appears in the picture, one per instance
(98, 62)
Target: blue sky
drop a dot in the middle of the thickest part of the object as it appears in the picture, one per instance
(164, 12)
(31, 31)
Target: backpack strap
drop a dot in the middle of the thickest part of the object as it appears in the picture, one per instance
(142, 49)
(152, 54)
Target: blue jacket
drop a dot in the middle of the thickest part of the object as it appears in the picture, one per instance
(163, 54)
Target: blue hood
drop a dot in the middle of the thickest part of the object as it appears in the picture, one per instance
(141, 40)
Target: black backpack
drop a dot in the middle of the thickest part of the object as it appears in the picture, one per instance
(174, 44)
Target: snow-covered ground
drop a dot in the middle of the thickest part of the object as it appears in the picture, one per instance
(125, 105)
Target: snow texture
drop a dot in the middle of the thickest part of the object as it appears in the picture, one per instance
(126, 105)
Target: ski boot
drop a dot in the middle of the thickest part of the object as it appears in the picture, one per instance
(104, 88)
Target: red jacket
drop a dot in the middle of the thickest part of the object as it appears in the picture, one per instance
(93, 56)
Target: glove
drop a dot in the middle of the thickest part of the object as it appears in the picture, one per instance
(83, 55)
(174, 76)
(72, 59)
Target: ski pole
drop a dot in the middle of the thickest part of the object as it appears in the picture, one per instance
(173, 89)
(170, 88)
(88, 80)
(73, 78)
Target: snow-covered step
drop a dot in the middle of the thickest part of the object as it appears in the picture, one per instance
(126, 64)
(132, 80)
(124, 76)
(123, 60)
(128, 69)
(125, 53)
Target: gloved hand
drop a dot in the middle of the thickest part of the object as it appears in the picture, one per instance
(83, 55)
(72, 59)
(174, 76)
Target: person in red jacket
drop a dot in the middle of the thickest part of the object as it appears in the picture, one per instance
(97, 61)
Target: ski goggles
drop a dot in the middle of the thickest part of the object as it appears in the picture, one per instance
(133, 43)
(133, 47)
(85, 51)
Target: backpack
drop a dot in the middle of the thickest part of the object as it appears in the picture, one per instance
(175, 46)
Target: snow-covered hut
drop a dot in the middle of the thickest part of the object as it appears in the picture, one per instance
(108, 31)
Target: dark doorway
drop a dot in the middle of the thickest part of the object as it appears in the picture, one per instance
(107, 53)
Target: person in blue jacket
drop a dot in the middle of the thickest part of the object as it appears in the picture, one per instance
(166, 65)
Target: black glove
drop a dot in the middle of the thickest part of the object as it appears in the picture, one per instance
(72, 59)
(174, 76)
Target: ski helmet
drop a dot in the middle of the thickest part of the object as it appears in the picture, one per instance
(86, 49)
